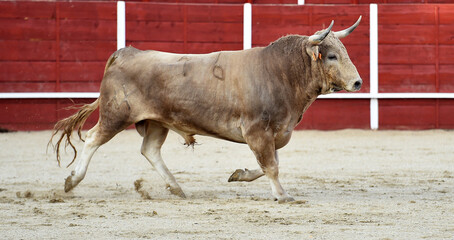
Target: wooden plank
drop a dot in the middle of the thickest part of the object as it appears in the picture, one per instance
(407, 78)
(325, 114)
(421, 14)
(318, 17)
(27, 50)
(344, 16)
(284, 15)
(402, 1)
(28, 86)
(370, 1)
(407, 34)
(155, 31)
(446, 13)
(407, 114)
(78, 86)
(82, 71)
(446, 34)
(174, 47)
(329, 1)
(158, 12)
(87, 50)
(215, 13)
(27, 9)
(447, 78)
(27, 111)
(88, 29)
(439, 1)
(88, 10)
(446, 113)
(197, 1)
(27, 71)
(215, 32)
(275, 1)
(446, 54)
(27, 29)
(26, 126)
(406, 54)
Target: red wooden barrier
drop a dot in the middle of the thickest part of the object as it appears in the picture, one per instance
(63, 46)
(184, 28)
(51, 46)
(375, 1)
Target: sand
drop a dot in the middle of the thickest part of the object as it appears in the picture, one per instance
(348, 184)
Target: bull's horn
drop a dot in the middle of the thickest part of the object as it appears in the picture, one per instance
(346, 32)
(318, 38)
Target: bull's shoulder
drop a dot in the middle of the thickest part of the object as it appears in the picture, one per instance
(127, 51)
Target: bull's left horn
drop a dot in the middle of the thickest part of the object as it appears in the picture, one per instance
(346, 32)
(318, 38)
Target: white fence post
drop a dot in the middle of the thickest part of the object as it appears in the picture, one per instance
(121, 24)
(373, 16)
(247, 26)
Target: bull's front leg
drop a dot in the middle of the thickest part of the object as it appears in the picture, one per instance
(263, 146)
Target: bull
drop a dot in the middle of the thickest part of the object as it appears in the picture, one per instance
(255, 96)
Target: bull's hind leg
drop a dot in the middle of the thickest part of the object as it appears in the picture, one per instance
(245, 175)
(94, 139)
(154, 136)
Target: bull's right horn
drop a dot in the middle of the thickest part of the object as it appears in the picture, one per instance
(318, 38)
(346, 32)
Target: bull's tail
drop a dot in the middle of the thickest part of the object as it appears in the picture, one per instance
(69, 124)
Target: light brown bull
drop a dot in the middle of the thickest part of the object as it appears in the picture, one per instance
(254, 96)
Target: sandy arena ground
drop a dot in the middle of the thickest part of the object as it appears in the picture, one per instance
(349, 184)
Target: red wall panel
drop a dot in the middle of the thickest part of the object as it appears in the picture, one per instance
(446, 113)
(184, 28)
(27, 29)
(27, 9)
(88, 10)
(21, 114)
(331, 114)
(40, 41)
(412, 113)
(415, 48)
(27, 50)
(39, 114)
(63, 46)
(375, 1)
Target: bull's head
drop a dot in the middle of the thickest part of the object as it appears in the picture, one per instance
(332, 60)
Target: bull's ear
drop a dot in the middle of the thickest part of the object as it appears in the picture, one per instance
(312, 51)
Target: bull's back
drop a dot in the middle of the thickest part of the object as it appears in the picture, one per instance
(190, 93)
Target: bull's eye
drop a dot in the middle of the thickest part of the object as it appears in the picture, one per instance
(332, 57)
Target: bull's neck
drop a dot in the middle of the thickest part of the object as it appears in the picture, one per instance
(292, 67)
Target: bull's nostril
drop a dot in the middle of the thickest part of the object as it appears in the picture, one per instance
(358, 84)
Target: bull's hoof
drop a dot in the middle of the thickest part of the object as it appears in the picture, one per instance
(69, 184)
(235, 177)
(176, 191)
(286, 199)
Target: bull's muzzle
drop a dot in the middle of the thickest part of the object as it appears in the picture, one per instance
(354, 85)
(357, 85)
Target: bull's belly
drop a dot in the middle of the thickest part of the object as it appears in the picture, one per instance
(186, 130)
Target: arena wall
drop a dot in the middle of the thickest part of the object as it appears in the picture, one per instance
(61, 47)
